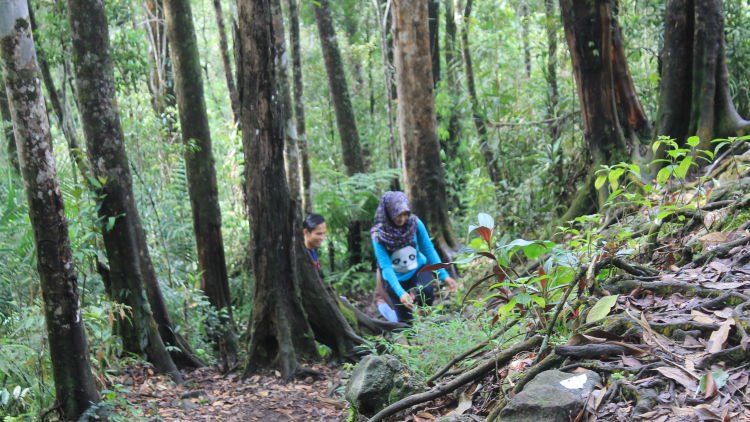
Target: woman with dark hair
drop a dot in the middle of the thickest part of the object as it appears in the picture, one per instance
(402, 247)
(314, 230)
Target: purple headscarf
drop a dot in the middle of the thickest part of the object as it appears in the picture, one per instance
(384, 230)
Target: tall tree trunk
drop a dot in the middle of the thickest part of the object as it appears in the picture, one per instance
(425, 181)
(477, 114)
(160, 79)
(291, 150)
(75, 389)
(451, 83)
(523, 13)
(64, 120)
(345, 120)
(106, 150)
(7, 126)
(694, 97)
(553, 94)
(201, 173)
(433, 16)
(226, 62)
(613, 119)
(299, 106)
(278, 328)
(382, 9)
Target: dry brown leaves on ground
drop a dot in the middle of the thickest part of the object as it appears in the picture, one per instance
(207, 395)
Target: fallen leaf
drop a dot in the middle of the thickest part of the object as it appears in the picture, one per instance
(631, 362)
(426, 416)
(724, 313)
(575, 382)
(676, 374)
(708, 385)
(714, 238)
(702, 318)
(724, 285)
(718, 337)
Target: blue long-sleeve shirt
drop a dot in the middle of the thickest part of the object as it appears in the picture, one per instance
(426, 253)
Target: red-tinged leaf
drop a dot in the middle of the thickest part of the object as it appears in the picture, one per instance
(434, 267)
(485, 233)
(499, 274)
(541, 272)
(488, 255)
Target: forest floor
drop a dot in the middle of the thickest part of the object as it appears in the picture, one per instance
(208, 395)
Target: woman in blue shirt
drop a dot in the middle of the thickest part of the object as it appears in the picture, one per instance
(403, 246)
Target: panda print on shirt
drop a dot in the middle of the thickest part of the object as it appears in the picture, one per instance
(404, 259)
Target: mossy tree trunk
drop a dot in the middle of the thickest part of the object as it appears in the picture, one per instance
(433, 17)
(345, 120)
(614, 122)
(278, 329)
(106, 151)
(423, 170)
(694, 97)
(200, 168)
(75, 389)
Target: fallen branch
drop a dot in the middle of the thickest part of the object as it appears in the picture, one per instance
(589, 351)
(463, 356)
(440, 390)
(717, 252)
(664, 288)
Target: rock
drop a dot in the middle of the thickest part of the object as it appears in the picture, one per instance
(378, 381)
(460, 418)
(552, 396)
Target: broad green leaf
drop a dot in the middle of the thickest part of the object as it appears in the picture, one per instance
(663, 175)
(693, 141)
(614, 177)
(601, 309)
(599, 182)
(683, 168)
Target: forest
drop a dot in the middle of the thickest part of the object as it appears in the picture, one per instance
(375, 210)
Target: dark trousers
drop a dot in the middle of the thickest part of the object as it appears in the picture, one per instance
(421, 284)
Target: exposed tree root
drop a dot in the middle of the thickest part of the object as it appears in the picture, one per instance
(440, 390)
(717, 252)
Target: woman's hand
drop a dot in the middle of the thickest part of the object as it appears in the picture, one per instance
(450, 284)
(407, 300)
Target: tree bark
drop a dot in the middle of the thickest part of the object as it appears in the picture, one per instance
(75, 389)
(106, 150)
(278, 329)
(226, 62)
(694, 97)
(201, 173)
(160, 79)
(423, 171)
(345, 119)
(477, 114)
(7, 126)
(433, 16)
(299, 107)
(613, 120)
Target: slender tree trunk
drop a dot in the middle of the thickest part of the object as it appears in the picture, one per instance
(417, 123)
(433, 16)
(64, 119)
(553, 94)
(200, 168)
(75, 389)
(7, 126)
(477, 114)
(278, 329)
(523, 12)
(299, 106)
(345, 120)
(613, 119)
(382, 9)
(451, 83)
(226, 62)
(104, 137)
(291, 150)
(694, 97)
